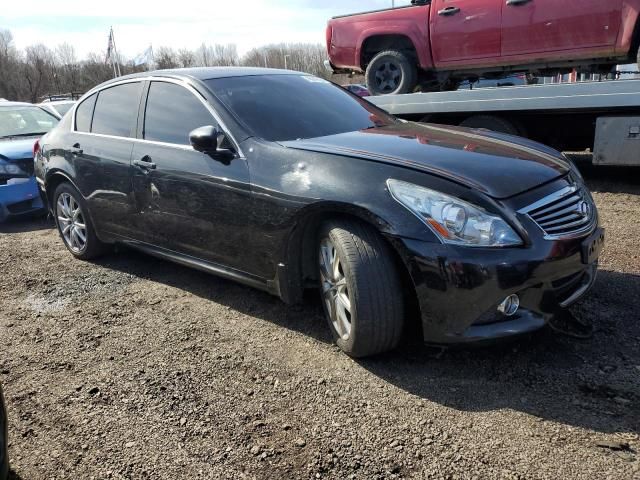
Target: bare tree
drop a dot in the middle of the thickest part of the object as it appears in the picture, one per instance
(38, 70)
(186, 58)
(165, 57)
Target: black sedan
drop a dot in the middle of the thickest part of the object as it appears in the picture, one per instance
(284, 181)
(4, 440)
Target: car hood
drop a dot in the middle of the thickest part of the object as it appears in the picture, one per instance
(499, 165)
(16, 149)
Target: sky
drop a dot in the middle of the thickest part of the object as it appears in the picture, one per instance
(187, 23)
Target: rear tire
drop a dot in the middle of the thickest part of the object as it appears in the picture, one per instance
(391, 72)
(496, 124)
(74, 223)
(360, 287)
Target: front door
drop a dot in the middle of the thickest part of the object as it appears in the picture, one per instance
(559, 27)
(187, 201)
(465, 32)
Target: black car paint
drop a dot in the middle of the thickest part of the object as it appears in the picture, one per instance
(252, 219)
(4, 439)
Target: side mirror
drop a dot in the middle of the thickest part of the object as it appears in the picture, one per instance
(205, 139)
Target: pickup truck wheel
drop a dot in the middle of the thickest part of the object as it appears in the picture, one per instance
(391, 72)
(497, 124)
(360, 287)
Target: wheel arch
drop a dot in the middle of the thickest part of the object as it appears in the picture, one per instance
(375, 43)
(300, 253)
(53, 180)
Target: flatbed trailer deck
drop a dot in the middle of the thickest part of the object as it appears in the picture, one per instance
(599, 117)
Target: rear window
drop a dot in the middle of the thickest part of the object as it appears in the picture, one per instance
(116, 110)
(290, 107)
(84, 113)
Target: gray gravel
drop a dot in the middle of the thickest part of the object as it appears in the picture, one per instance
(131, 367)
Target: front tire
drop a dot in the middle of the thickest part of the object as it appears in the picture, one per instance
(361, 289)
(74, 224)
(391, 72)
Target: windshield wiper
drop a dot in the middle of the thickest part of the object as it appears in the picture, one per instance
(16, 135)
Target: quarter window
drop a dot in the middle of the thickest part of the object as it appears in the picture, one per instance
(117, 110)
(172, 112)
(84, 114)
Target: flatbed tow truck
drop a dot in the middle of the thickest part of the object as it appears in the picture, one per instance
(597, 121)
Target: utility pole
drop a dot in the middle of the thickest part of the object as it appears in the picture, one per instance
(285, 62)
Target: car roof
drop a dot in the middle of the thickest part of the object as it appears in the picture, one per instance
(208, 73)
(16, 104)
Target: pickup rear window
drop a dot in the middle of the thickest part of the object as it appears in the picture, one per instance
(290, 107)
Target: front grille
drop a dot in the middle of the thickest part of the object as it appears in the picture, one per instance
(567, 212)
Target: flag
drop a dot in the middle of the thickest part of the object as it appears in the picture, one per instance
(109, 46)
(145, 57)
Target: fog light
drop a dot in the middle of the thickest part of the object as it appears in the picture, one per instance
(509, 306)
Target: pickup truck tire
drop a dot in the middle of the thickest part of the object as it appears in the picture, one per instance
(490, 122)
(361, 288)
(391, 72)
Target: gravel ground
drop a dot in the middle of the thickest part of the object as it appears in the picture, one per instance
(132, 367)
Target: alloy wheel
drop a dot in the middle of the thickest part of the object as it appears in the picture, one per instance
(71, 222)
(335, 291)
(388, 77)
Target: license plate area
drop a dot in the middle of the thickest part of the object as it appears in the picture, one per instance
(592, 246)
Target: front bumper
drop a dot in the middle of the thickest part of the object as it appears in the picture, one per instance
(459, 289)
(18, 199)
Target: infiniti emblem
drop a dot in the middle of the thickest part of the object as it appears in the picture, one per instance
(583, 209)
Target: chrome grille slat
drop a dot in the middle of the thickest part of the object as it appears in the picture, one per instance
(565, 213)
(567, 225)
(559, 213)
(564, 220)
(557, 204)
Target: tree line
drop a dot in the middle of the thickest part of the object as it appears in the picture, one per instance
(38, 71)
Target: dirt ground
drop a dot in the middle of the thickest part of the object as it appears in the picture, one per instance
(132, 367)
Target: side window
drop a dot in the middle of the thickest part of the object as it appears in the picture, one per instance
(117, 110)
(172, 112)
(84, 114)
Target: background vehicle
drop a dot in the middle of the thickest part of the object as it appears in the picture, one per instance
(21, 124)
(590, 121)
(4, 439)
(360, 90)
(438, 43)
(248, 173)
(58, 107)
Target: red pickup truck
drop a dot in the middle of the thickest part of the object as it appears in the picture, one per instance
(435, 44)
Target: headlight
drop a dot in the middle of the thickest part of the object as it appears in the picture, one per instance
(13, 169)
(10, 168)
(453, 220)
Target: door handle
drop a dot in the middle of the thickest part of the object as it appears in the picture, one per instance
(448, 11)
(76, 150)
(515, 3)
(145, 163)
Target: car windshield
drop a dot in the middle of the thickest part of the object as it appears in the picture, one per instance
(25, 121)
(290, 107)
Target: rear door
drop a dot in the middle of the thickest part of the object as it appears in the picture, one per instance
(100, 150)
(188, 201)
(465, 31)
(560, 27)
